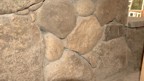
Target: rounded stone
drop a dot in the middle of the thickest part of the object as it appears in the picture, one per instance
(57, 17)
(70, 67)
(84, 7)
(85, 36)
(54, 47)
(109, 10)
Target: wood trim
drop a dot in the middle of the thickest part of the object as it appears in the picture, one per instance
(142, 71)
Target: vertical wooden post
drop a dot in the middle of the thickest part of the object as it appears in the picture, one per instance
(142, 71)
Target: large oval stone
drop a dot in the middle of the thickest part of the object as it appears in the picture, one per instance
(70, 67)
(57, 17)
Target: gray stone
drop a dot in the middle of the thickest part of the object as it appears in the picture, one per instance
(109, 57)
(132, 77)
(109, 10)
(21, 56)
(54, 47)
(70, 67)
(113, 30)
(57, 17)
(135, 40)
(85, 36)
(11, 6)
(84, 7)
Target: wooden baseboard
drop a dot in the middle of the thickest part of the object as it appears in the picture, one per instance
(142, 72)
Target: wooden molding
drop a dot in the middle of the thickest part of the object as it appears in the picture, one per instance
(142, 71)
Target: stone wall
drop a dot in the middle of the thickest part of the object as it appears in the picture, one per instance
(68, 40)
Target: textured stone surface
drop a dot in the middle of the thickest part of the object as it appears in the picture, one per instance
(84, 7)
(10, 6)
(33, 16)
(135, 41)
(113, 30)
(132, 77)
(54, 47)
(35, 7)
(57, 17)
(20, 49)
(110, 57)
(23, 12)
(71, 67)
(93, 59)
(109, 10)
(86, 34)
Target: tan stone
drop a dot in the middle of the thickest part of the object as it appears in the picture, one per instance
(85, 36)
(109, 10)
(57, 17)
(84, 7)
(21, 56)
(93, 59)
(10, 6)
(54, 47)
(23, 12)
(112, 56)
(70, 67)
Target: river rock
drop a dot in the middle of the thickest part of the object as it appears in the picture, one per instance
(85, 36)
(54, 47)
(70, 67)
(57, 17)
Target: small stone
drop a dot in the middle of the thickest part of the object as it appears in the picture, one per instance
(84, 7)
(35, 7)
(57, 17)
(113, 30)
(70, 67)
(85, 36)
(109, 10)
(54, 47)
(33, 16)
